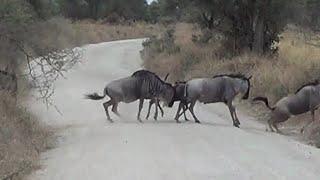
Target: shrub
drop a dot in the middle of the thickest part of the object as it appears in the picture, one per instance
(22, 138)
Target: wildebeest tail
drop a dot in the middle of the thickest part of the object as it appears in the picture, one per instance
(96, 96)
(265, 100)
(186, 90)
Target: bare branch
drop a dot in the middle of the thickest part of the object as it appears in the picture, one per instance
(43, 71)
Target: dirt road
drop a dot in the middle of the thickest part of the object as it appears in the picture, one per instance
(92, 148)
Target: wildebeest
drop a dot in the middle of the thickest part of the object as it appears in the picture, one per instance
(306, 98)
(140, 85)
(8, 82)
(220, 88)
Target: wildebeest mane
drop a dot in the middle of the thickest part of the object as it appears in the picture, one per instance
(313, 83)
(180, 82)
(239, 75)
(144, 74)
(147, 75)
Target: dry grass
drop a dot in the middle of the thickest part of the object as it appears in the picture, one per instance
(94, 32)
(60, 33)
(22, 138)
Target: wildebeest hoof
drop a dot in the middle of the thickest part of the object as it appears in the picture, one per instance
(110, 120)
(197, 121)
(178, 121)
(301, 130)
(186, 119)
(236, 125)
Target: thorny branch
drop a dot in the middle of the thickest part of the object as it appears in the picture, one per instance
(43, 71)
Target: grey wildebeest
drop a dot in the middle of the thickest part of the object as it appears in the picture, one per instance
(140, 85)
(305, 99)
(8, 82)
(220, 88)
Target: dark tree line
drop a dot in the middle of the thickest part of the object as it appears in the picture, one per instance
(97, 9)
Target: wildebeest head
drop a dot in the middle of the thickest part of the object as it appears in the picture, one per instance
(168, 93)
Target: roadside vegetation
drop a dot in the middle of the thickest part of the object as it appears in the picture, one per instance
(37, 41)
(22, 139)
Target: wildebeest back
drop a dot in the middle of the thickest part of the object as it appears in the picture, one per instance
(125, 89)
(298, 105)
(213, 90)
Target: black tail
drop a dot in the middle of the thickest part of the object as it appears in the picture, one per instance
(186, 90)
(265, 100)
(96, 96)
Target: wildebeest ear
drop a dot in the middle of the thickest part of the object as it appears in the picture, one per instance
(165, 79)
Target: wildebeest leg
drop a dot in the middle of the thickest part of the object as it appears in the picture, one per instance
(140, 107)
(276, 127)
(192, 112)
(270, 125)
(185, 107)
(106, 105)
(178, 112)
(156, 112)
(115, 108)
(231, 109)
(162, 113)
(150, 105)
(307, 124)
(236, 116)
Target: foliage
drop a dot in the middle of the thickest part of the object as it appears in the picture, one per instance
(25, 37)
(97, 9)
(156, 45)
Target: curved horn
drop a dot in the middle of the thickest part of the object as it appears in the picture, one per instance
(165, 79)
(250, 77)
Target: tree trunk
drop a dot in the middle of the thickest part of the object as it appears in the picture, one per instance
(258, 39)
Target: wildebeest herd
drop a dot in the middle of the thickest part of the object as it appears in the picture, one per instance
(222, 88)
